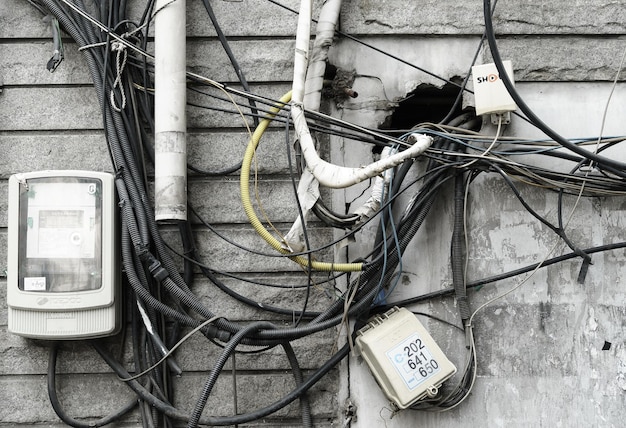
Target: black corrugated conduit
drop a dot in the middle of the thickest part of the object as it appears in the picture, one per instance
(458, 247)
(58, 407)
(176, 414)
(218, 366)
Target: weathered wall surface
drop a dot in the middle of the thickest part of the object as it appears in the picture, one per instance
(540, 357)
(540, 349)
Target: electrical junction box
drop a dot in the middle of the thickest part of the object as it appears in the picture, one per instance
(404, 359)
(490, 94)
(63, 274)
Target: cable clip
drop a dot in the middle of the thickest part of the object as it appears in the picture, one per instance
(143, 253)
(157, 271)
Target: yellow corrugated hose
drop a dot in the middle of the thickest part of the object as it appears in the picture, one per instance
(252, 217)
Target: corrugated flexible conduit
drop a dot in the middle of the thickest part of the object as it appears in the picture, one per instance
(252, 217)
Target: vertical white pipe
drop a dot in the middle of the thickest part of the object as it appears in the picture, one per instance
(324, 33)
(170, 118)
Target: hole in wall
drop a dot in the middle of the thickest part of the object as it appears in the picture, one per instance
(427, 103)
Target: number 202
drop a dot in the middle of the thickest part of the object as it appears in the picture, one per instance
(414, 347)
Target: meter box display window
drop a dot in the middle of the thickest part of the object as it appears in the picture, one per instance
(63, 271)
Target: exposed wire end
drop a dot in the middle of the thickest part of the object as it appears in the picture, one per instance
(55, 61)
(57, 55)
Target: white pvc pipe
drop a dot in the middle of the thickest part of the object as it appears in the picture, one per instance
(324, 33)
(170, 120)
(308, 187)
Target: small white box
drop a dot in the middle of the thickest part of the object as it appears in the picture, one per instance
(404, 359)
(490, 94)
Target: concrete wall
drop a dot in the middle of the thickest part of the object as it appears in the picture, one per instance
(540, 357)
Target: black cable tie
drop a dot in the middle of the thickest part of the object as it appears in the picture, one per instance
(143, 253)
(158, 272)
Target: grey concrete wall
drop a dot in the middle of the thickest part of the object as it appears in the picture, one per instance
(540, 353)
(540, 357)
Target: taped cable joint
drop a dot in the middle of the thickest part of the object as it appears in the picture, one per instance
(339, 177)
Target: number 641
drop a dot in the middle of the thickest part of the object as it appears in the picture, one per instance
(425, 369)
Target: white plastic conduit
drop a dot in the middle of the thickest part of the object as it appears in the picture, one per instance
(170, 120)
(379, 189)
(327, 174)
(324, 33)
(308, 186)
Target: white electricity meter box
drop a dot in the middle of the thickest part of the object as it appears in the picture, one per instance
(490, 94)
(63, 275)
(403, 358)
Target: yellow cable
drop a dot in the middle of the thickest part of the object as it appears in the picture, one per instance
(252, 217)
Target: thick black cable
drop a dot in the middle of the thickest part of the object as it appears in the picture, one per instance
(305, 233)
(613, 165)
(253, 303)
(231, 56)
(217, 368)
(305, 405)
(60, 411)
(230, 420)
(505, 275)
(559, 231)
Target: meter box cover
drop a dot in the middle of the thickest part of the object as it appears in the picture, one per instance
(63, 272)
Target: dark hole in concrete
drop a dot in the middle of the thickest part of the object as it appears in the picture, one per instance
(606, 346)
(427, 103)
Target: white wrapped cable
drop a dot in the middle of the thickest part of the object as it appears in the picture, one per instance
(339, 177)
(308, 194)
(301, 59)
(324, 33)
(373, 204)
(308, 187)
(329, 175)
